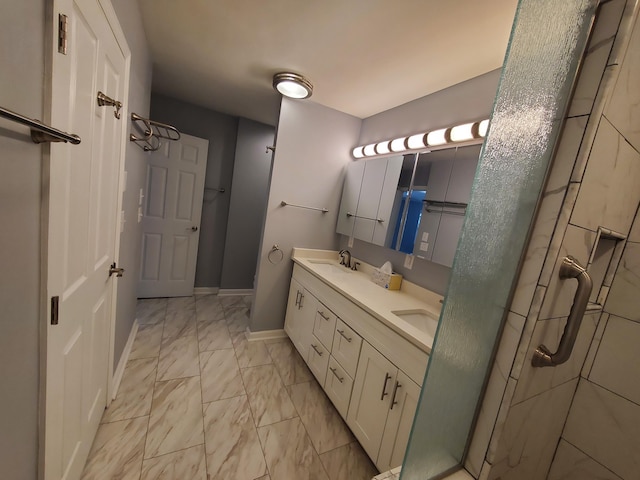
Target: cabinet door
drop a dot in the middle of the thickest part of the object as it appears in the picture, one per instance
(447, 240)
(291, 321)
(307, 310)
(404, 401)
(350, 195)
(387, 200)
(318, 360)
(463, 174)
(427, 233)
(439, 174)
(370, 399)
(367, 212)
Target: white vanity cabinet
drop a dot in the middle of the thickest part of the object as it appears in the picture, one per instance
(369, 372)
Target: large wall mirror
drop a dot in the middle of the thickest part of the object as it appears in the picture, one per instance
(413, 203)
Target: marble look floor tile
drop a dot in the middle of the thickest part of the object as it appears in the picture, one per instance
(178, 358)
(232, 301)
(231, 441)
(209, 308)
(348, 462)
(237, 319)
(322, 421)
(179, 324)
(289, 451)
(269, 400)
(147, 341)
(266, 477)
(135, 392)
(220, 375)
(176, 417)
(117, 450)
(186, 464)
(289, 363)
(213, 335)
(151, 310)
(249, 354)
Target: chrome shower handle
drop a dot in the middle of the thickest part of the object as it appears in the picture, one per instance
(543, 357)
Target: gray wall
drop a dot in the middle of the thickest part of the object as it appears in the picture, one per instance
(467, 101)
(221, 131)
(135, 165)
(21, 77)
(313, 145)
(249, 191)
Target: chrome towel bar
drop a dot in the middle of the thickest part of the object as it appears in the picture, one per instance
(285, 204)
(543, 357)
(40, 132)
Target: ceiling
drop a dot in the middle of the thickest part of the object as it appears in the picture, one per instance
(362, 56)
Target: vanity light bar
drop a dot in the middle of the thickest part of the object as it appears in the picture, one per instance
(442, 136)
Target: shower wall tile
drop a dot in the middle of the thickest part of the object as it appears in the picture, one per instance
(494, 392)
(617, 363)
(595, 344)
(531, 432)
(623, 299)
(547, 216)
(525, 338)
(498, 428)
(572, 464)
(534, 380)
(578, 243)
(609, 194)
(634, 235)
(606, 427)
(624, 107)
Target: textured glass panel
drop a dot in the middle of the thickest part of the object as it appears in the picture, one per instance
(547, 42)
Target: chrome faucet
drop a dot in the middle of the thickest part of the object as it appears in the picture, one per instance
(347, 262)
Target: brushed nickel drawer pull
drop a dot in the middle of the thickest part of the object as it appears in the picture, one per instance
(395, 392)
(341, 332)
(333, 370)
(322, 315)
(319, 352)
(387, 377)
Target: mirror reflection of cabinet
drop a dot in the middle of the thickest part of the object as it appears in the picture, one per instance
(420, 199)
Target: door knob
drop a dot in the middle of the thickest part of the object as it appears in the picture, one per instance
(113, 269)
(194, 229)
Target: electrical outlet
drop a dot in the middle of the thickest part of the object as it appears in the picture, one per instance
(425, 236)
(424, 246)
(350, 245)
(408, 262)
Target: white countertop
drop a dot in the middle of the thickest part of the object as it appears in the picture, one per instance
(374, 299)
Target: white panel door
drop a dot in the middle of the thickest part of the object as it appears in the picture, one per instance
(83, 199)
(171, 222)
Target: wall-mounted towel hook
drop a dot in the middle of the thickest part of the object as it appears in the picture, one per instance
(273, 149)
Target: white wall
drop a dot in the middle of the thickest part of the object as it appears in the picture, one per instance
(21, 78)
(248, 197)
(136, 167)
(313, 145)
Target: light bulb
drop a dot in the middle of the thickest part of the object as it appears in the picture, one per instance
(462, 132)
(416, 141)
(437, 137)
(382, 148)
(398, 145)
(483, 126)
(292, 89)
(370, 150)
(358, 152)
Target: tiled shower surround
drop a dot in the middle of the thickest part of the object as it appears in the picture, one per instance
(579, 420)
(198, 401)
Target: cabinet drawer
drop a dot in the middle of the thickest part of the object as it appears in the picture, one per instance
(324, 325)
(318, 360)
(346, 347)
(338, 387)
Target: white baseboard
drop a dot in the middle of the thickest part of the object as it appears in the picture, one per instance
(205, 290)
(117, 375)
(265, 335)
(230, 292)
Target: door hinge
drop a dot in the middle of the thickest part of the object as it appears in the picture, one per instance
(55, 301)
(63, 25)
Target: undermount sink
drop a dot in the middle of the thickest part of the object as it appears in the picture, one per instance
(329, 267)
(421, 319)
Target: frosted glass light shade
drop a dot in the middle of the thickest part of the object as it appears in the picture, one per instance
(382, 148)
(398, 145)
(437, 137)
(483, 126)
(358, 152)
(370, 150)
(292, 85)
(416, 141)
(462, 133)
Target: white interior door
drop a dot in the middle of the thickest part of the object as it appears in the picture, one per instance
(171, 222)
(81, 236)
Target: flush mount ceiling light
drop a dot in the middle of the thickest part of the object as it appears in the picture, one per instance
(292, 85)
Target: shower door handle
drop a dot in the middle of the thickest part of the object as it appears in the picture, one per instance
(543, 357)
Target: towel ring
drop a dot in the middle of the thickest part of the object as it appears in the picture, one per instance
(275, 255)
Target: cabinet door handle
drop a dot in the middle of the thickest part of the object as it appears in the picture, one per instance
(301, 298)
(348, 339)
(323, 315)
(387, 377)
(395, 392)
(297, 297)
(319, 352)
(333, 370)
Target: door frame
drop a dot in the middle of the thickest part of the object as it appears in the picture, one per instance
(50, 50)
